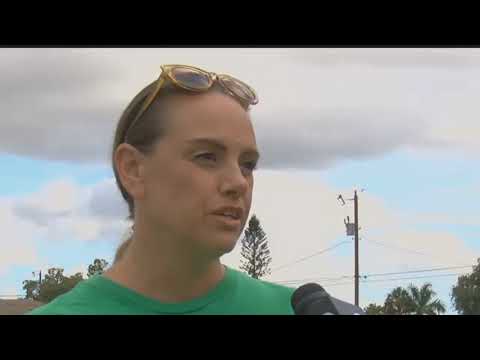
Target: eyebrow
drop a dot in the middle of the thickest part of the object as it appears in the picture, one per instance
(220, 145)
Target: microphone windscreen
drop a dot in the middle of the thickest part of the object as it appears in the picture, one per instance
(304, 291)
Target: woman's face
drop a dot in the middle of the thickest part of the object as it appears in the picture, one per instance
(198, 181)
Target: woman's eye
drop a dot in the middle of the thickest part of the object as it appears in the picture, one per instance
(206, 156)
(251, 165)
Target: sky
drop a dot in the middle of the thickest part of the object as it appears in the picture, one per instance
(401, 124)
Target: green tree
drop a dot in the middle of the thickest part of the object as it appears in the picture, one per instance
(374, 309)
(423, 300)
(398, 302)
(255, 252)
(31, 288)
(97, 268)
(54, 284)
(413, 301)
(466, 293)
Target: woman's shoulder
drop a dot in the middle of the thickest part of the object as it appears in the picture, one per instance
(263, 286)
(62, 305)
(83, 299)
(263, 297)
(56, 307)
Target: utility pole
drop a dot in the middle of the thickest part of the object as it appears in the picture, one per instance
(39, 276)
(355, 201)
(352, 230)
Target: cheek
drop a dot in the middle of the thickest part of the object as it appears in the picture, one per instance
(179, 189)
(248, 195)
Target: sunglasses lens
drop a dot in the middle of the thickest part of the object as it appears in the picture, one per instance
(190, 78)
(239, 88)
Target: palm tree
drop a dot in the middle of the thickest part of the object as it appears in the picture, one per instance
(413, 301)
(398, 302)
(374, 309)
(422, 300)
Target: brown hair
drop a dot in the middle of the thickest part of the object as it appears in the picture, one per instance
(147, 130)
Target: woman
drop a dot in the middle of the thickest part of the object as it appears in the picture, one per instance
(183, 157)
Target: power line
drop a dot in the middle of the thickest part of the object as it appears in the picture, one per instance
(419, 271)
(411, 278)
(345, 242)
(310, 256)
(396, 247)
(314, 279)
(393, 279)
(340, 277)
(340, 284)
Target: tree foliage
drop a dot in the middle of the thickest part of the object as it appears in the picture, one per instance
(255, 252)
(466, 293)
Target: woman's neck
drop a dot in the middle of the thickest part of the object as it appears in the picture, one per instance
(160, 270)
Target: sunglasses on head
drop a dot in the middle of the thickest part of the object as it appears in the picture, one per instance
(197, 80)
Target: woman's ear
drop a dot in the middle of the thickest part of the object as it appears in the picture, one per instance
(130, 164)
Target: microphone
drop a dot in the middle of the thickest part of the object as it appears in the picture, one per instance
(312, 299)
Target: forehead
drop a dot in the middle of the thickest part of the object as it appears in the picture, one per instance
(209, 115)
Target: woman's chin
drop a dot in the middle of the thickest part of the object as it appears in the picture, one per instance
(223, 245)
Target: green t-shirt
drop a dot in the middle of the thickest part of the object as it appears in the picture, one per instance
(236, 294)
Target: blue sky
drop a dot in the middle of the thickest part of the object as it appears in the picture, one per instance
(378, 126)
(430, 181)
(417, 183)
(420, 183)
(26, 174)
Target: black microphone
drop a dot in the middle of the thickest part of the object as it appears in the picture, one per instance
(312, 299)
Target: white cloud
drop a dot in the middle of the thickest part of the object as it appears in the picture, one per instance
(106, 200)
(81, 268)
(63, 210)
(17, 240)
(56, 200)
(413, 57)
(318, 106)
(81, 228)
(444, 218)
(300, 214)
